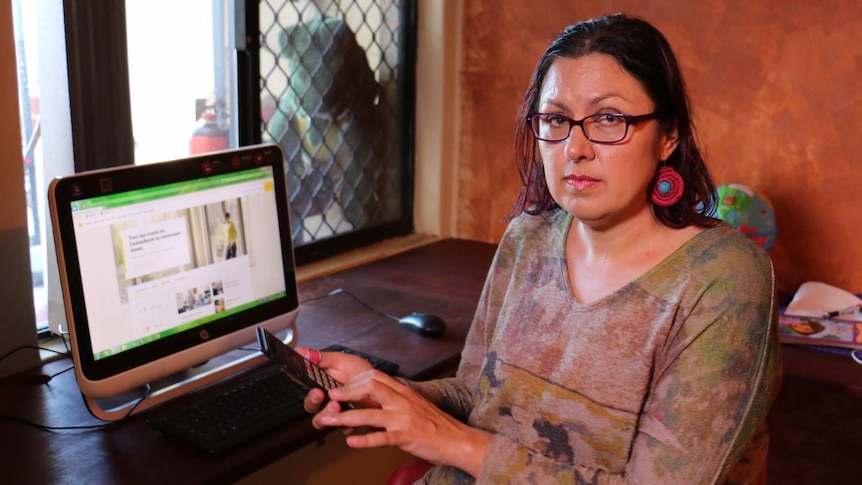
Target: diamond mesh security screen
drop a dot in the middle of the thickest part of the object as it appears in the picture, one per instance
(332, 97)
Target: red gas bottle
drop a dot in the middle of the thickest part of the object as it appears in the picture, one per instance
(209, 136)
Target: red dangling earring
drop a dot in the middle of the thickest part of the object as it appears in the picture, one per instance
(668, 187)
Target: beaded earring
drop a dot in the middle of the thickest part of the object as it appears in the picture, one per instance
(668, 187)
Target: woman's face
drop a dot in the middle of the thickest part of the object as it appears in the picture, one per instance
(600, 185)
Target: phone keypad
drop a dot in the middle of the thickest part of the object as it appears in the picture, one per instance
(320, 376)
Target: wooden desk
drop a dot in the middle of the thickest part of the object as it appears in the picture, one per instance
(444, 278)
(816, 423)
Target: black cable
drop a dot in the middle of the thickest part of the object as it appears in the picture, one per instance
(67, 369)
(52, 428)
(67, 354)
(34, 347)
(326, 295)
(45, 427)
(342, 290)
(63, 335)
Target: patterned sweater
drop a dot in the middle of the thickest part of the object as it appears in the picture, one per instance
(666, 380)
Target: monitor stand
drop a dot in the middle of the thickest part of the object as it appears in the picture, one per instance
(118, 407)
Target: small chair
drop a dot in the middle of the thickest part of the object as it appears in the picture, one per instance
(761, 477)
(413, 470)
(408, 473)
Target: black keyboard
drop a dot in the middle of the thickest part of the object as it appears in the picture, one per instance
(245, 410)
(383, 365)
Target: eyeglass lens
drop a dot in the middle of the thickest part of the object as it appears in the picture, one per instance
(607, 128)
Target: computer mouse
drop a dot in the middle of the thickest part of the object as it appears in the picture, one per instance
(425, 324)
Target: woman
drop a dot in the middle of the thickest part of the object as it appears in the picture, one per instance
(623, 335)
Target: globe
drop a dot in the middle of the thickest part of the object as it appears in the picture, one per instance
(749, 211)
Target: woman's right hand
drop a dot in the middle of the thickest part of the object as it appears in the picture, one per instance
(340, 366)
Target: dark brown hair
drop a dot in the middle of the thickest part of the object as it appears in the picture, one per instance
(646, 55)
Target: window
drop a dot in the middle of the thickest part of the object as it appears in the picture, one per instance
(31, 128)
(182, 86)
(331, 81)
(336, 93)
(43, 99)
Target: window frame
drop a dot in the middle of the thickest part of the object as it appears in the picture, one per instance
(251, 128)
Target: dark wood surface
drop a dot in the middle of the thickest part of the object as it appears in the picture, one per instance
(816, 421)
(444, 278)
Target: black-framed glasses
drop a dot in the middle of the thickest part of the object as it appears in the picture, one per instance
(598, 128)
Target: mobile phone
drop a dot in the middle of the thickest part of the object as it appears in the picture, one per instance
(296, 366)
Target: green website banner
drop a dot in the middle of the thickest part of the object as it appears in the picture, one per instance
(177, 188)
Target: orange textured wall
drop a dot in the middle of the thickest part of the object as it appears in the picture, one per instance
(777, 99)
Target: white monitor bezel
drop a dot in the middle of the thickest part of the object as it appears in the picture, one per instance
(115, 375)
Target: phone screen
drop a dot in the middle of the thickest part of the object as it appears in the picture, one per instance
(296, 366)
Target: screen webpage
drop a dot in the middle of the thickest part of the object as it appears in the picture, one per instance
(161, 260)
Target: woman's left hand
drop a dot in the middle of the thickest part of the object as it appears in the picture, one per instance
(406, 420)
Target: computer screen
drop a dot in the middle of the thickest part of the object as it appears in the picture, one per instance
(167, 265)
